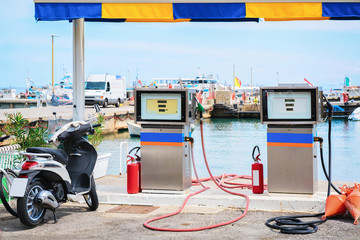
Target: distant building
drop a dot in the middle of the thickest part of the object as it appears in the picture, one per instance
(9, 93)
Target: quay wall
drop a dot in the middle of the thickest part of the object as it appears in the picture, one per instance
(115, 118)
(20, 103)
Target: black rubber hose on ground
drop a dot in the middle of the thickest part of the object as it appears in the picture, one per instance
(293, 224)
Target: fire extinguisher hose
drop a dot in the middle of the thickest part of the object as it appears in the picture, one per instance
(215, 180)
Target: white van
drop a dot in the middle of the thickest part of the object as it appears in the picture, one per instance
(105, 89)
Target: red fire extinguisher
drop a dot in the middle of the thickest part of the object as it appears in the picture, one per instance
(257, 173)
(133, 173)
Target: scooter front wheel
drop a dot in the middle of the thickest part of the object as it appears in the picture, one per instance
(30, 213)
(91, 198)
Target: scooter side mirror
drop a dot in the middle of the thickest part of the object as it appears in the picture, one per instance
(92, 131)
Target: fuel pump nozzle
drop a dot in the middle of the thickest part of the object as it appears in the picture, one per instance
(329, 107)
(200, 108)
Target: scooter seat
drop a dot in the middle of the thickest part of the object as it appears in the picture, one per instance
(58, 154)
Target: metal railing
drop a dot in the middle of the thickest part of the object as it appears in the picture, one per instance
(122, 145)
(7, 155)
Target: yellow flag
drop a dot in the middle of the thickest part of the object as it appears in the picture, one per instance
(237, 82)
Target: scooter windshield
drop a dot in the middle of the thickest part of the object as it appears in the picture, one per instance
(53, 126)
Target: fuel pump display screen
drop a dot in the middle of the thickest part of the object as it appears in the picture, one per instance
(289, 105)
(292, 105)
(161, 106)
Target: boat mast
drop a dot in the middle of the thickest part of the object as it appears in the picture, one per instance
(251, 83)
(233, 78)
(52, 60)
(181, 82)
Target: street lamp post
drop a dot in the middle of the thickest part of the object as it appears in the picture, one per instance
(52, 60)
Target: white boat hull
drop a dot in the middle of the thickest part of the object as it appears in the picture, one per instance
(355, 115)
(101, 165)
(134, 129)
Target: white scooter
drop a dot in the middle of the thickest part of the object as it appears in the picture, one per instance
(50, 177)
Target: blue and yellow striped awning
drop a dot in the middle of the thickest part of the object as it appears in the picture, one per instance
(200, 10)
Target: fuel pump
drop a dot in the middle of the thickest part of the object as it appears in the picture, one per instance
(293, 224)
(165, 116)
(291, 113)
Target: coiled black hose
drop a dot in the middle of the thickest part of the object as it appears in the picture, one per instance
(293, 225)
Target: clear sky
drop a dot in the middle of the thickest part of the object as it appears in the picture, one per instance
(322, 51)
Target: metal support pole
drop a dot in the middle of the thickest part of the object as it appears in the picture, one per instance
(52, 62)
(78, 70)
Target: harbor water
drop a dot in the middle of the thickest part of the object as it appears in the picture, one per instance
(229, 144)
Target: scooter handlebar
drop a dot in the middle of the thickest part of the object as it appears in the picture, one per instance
(96, 125)
(75, 132)
(61, 137)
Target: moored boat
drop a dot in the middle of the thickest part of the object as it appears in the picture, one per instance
(347, 93)
(355, 115)
(207, 85)
(134, 129)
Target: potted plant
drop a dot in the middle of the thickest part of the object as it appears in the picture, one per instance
(102, 159)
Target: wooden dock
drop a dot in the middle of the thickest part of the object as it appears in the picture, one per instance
(348, 108)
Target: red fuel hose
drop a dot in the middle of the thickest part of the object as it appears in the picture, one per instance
(217, 184)
(215, 180)
(230, 184)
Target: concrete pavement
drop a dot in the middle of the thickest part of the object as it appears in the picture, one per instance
(112, 190)
(109, 222)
